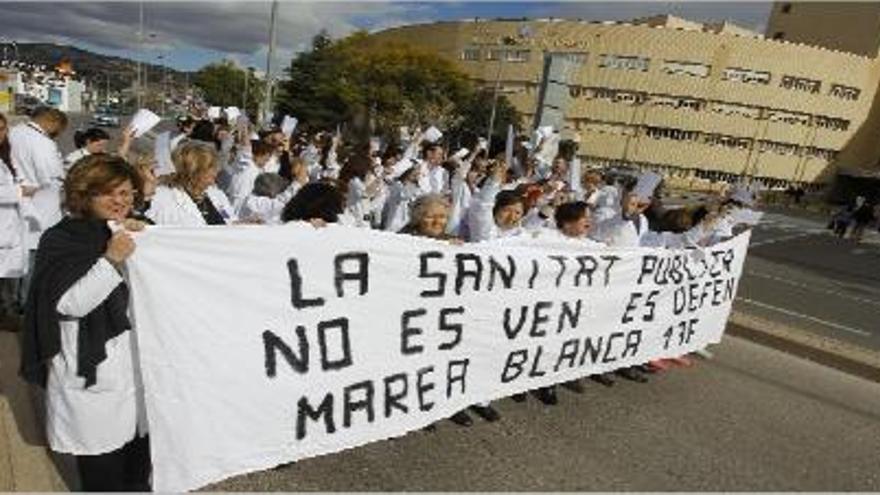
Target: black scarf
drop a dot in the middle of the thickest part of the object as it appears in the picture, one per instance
(66, 253)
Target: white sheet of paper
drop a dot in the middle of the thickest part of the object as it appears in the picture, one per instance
(232, 114)
(162, 151)
(214, 112)
(646, 185)
(432, 135)
(461, 153)
(143, 121)
(288, 125)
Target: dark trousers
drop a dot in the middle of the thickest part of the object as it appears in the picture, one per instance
(126, 469)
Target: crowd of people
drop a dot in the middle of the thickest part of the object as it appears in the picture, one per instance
(66, 232)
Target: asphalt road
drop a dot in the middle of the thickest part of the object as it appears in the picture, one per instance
(751, 419)
(798, 274)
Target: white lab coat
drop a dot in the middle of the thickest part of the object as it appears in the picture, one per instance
(396, 214)
(619, 232)
(461, 201)
(13, 226)
(38, 162)
(241, 184)
(480, 220)
(107, 415)
(74, 156)
(173, 206)
(607, 204)
(268, 210)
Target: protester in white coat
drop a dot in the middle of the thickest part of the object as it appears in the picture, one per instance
(495, 213)
(245, 172)
(14, 199)
(189, 196)
(38, 163)
(76, 340)
(88, 142)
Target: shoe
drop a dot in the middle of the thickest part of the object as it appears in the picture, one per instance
(644, 368)
(487, 412)
(518, 397)
(575, 386)
(681, 361)
(547, 396)
(659, 365)
(604, 379)
(632, 375)
(461, 418)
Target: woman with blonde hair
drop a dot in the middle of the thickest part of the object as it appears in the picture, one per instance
(189, 196)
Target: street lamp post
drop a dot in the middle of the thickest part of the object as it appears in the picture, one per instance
(269, 82)
(524, 32)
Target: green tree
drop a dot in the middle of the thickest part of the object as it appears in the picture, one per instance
(375, 88)
(223, 84)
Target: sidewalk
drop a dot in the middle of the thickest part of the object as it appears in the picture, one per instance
(25, 462)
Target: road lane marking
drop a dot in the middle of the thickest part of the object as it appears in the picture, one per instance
(820, 321)
(780, 239)
(814, 289)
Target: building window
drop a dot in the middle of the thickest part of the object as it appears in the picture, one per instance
(845, 92)
(800, 84)
(791, 118)
(517, 56)
(673, 134)
(695, 69)
(471, 54)
(495, 54)
(731, 142)
(824, 154)
(609, 61)
(733, 109)
(786, 8)
(747, 76)
(577, 58)
(678, 102)
(785, 149)
(831, 123)
(611, 95)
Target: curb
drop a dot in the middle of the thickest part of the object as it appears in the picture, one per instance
(826, 351)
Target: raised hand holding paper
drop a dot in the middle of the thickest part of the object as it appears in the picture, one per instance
(646, 185)
(232, 114)
(214, 113)
(288, 125)
(143, 121)
(432, 135)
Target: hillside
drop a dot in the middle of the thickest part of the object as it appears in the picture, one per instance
(94, 67)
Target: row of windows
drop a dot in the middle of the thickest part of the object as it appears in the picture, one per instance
(740, 143)
(696, 104)
(591, 161)
(672, 67)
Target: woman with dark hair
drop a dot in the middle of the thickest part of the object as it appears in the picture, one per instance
(77, 342)
(13, 228)
(316, 202)
(362, 190)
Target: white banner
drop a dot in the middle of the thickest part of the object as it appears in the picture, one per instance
(262, 345)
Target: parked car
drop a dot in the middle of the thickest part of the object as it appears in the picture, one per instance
(105, 117)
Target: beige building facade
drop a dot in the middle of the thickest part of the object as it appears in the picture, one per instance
(684, 98)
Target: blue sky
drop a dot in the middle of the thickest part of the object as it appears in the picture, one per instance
(188, 35)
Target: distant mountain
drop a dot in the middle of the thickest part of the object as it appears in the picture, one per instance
(96, 68)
